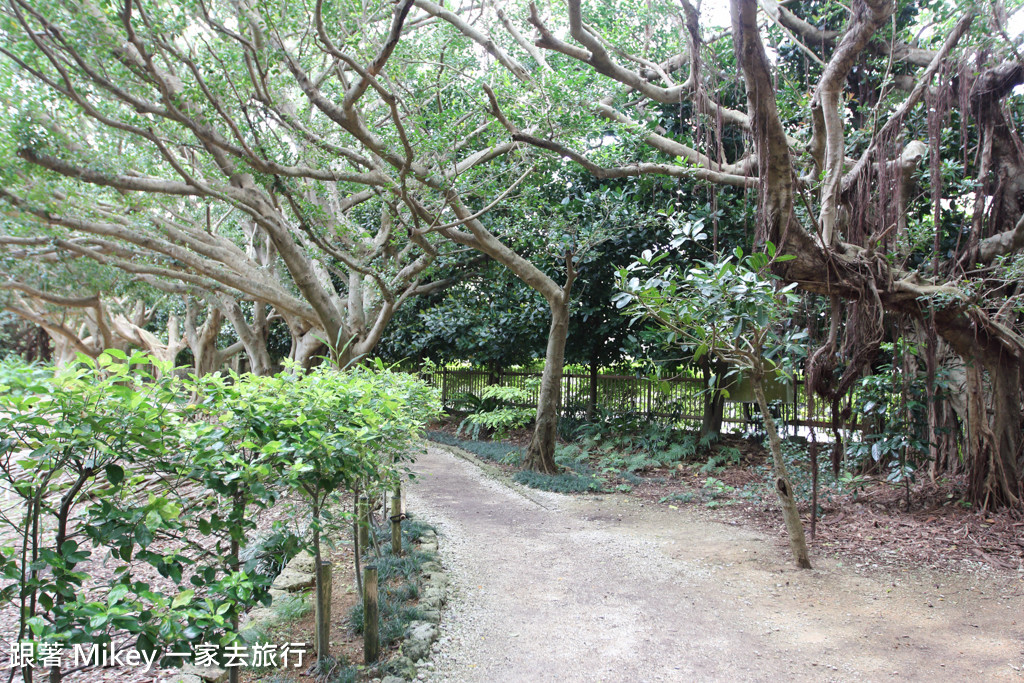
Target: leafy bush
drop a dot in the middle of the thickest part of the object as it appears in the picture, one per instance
(17, 376)
(270, 552)
(74, 447)
(896, 404)
(84, 448)
(798, 465)
(631, 431)
(714, 490)
(499, 422)
(500, 411)
(684, 450)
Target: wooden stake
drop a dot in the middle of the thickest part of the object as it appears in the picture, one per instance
(396, 521)
(371, 636)
(322, 610)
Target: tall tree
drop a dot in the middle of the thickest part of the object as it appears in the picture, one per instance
(198, 157)
(855, 233)
(361, 141)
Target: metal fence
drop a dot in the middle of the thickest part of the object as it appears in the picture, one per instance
(677, 401)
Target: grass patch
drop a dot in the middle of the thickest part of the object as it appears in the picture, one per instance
(398, 583)
(412, 530)
(335, 670)
(395, 615)
(292, 606)
(346, 673)
(409, 563)
(286, 608)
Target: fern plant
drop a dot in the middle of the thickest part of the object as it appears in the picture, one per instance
(726, 456)
(501, 409)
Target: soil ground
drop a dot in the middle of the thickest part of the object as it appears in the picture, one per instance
(613, 587)
(869, 524)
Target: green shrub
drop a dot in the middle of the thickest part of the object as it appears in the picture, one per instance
(398, 584)
(500, 411)
(18, 377)
(90, 441)
(725, 457)
(684, 450)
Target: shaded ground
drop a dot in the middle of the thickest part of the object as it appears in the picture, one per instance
(345, 645)
(868, 523)
(590, 588)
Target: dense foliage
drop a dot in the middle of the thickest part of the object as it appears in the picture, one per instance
(161, 478)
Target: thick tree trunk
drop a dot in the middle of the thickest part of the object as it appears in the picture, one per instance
(714, 407)
(253, 337)
(541, 454)
(203, 340)
(794, 527)
(993, 445)
(305, 348)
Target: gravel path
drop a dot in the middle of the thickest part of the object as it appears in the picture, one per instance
(601, 588)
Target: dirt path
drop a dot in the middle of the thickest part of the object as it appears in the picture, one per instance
(601, 588)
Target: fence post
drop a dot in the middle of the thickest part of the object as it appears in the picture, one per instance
(796, 403)
(444, 386)
(371, 625)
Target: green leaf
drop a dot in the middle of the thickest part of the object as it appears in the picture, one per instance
(143, 535)
(115, 474)
(183, 598)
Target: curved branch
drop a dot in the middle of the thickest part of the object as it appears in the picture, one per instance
(868, 16)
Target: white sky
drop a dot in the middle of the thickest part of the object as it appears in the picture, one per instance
(715, 13)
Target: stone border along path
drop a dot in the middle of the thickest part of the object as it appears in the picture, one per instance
(413, 656)
(548, 587)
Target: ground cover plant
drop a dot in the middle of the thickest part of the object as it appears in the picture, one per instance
(495, 451)
(398, 581)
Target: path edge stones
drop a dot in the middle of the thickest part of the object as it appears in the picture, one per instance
(417, 649)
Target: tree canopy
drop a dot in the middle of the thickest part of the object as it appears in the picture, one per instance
(318, 164)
